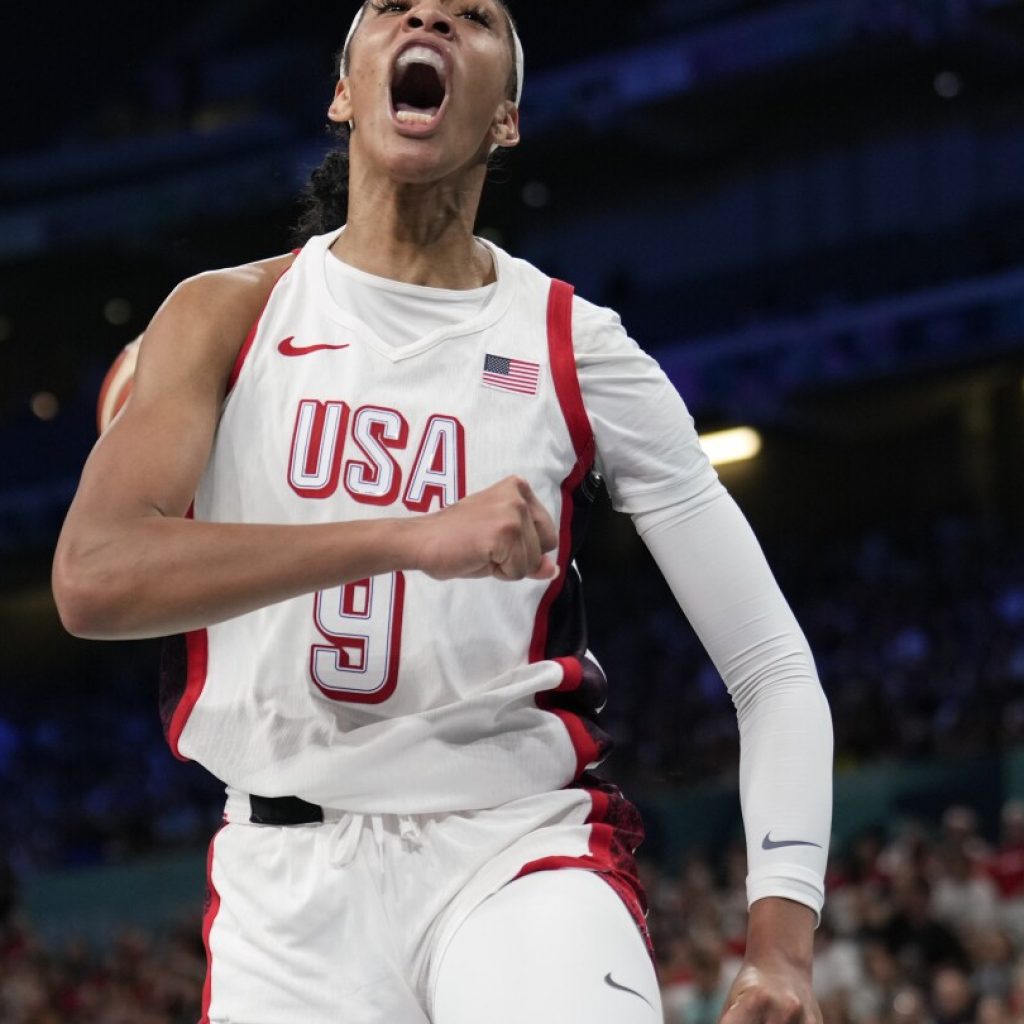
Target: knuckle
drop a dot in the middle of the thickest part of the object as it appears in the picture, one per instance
(759, 1000)
(509, 527)
(792, 1008)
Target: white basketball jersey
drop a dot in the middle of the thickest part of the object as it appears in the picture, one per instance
(397, 694)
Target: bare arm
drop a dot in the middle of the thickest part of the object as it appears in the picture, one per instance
(129, 564)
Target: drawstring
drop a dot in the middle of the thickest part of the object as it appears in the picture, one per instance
(377, 824)
(348, 829)
(344, 839)
(409, 832)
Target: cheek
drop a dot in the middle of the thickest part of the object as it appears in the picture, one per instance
(481, 101)
(369, 91)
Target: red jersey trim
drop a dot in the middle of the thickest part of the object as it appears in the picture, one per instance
(567, 387)
(562, 358)
(563, 369)
(608, 855)
(587, 750)
(243, 352)
(197, 648)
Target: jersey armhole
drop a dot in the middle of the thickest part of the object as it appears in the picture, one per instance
(563, 371)
(243, 352)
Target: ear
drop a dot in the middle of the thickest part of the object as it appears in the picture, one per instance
(505, 128)
(340, 109)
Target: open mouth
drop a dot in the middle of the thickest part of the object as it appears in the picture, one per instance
(419, 86)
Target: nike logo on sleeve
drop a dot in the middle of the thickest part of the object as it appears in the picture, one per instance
(775, 844)
(289, 348)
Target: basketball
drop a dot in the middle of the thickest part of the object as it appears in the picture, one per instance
(117, 385)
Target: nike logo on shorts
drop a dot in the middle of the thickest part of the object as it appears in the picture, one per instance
(622, 988)
(289, 348)
(774, 844)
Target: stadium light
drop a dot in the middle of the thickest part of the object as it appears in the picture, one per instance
(727, 446)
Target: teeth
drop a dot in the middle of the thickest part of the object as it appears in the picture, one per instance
(413, 117)
(422, 55)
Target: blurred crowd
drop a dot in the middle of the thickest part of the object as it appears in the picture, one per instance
(924, 926)
(139, 980)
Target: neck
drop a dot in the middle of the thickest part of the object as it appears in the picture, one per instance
(417, 234)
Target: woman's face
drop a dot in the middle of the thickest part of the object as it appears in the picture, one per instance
(427, 87)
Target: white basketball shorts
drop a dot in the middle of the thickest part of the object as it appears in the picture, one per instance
(393, 920)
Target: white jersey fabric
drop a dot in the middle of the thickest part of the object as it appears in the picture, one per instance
(399, 313)
(405, 695)
(402, 694)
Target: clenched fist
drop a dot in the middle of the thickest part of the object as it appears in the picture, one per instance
(503, 531)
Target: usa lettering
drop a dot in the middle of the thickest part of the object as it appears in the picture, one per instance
(383, 466)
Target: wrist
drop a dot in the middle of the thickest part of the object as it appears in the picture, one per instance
(780, 930)
(405, 543)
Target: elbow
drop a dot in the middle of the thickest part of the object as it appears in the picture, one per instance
(83, 601)
(783, 678)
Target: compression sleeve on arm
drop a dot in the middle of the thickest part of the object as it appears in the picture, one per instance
(715, 567)
(656, 472)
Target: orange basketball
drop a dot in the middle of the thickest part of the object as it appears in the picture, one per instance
(117, 385)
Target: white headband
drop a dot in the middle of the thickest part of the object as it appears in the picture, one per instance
(520, 59)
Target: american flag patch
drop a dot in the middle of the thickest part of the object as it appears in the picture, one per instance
(503, 374)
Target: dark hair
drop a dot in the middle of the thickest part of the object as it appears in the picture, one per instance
(324, 198)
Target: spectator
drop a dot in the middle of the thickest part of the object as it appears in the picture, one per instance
(1006, 863)
(963, 896)
(702, 999)
(953, 1001)
(882, 978)
(913, 935)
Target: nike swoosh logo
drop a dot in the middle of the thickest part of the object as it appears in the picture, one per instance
(622, 988)
(772, 844)
(289, 348)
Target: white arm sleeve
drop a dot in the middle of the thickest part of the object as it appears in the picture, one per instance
(720, 578)
(651, 457)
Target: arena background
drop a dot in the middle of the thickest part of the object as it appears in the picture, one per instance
(812, 213)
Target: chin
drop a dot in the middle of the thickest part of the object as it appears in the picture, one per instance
(425, 161)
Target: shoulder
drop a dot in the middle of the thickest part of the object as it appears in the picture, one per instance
(598, 333)
(594, 328)
(199, 330)
(589, 318)
(229, 292)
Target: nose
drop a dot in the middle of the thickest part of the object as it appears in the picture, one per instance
(431, 18)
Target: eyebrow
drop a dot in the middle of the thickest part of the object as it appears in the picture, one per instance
(500, 8)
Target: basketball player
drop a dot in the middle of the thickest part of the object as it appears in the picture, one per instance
(353, 481)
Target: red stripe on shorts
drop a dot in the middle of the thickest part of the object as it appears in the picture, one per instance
(615, 832)
(209, 913)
